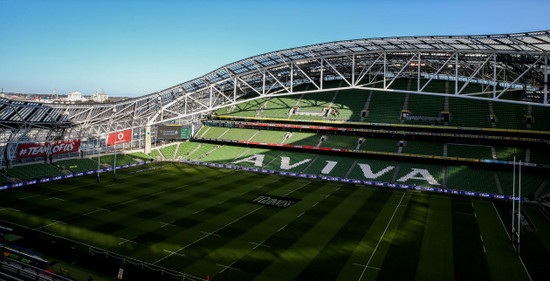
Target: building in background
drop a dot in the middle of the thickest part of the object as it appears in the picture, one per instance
(99, 97)
(76, 96)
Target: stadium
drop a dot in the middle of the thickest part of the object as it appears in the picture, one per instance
(394, 158)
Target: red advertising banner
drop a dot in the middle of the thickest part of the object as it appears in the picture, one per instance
(30, 150)
(120, 137)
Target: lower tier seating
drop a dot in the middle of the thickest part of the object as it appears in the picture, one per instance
(34, 171)
(77, 165)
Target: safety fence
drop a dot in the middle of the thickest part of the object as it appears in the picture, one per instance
(44, 180)
(365, 182)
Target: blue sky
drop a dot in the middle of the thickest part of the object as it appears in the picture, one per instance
(133, 48)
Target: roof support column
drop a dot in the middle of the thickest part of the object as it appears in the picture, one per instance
(494, 76)
(418, 74)
(545, 80)
(234, 89)
(456, 74)
(353, 70)
(385, 71)
(292, 77)
(263, 84)
(322, 73)
(210, 100)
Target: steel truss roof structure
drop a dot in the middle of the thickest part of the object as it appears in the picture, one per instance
(502, 64)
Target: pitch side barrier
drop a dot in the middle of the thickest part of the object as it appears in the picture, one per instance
(44, 180)
(411, 127)
(353, 152)
(374, 183)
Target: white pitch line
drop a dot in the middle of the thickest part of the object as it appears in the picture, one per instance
(256, 245)
(210, 233)
(100, 249)
(295, 189)
(55, 222)
(301, 214)
(180, 187)
(174, 253)
(166, 224)
(382, 236)
(196, 212)
(227, 266)
(91, 212)
(129, 201)
(506, 231)
(363, 265)
(124, 240)
(15, 210)
(282, 227)
(55, 198)
(315, 204)
(198, 240)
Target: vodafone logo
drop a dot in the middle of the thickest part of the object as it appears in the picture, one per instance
(120, 137)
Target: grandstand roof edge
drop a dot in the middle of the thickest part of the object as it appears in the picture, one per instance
(308, 48)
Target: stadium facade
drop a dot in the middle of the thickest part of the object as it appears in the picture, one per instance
(511, 68)
(447, 114)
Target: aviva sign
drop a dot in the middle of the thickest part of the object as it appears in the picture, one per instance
(287, 164)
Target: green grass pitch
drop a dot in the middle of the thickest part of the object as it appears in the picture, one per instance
(198, 220)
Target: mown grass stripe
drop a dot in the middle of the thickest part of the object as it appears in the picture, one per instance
(213, 216)
(374, 244)
(121, 223)
(404, 251)
(220, 221)
(501, 256)
(294, 260)
(258, 260)
(239, 235)
(436, 255)
(533, 244)
(159, 200)
(244, 241)
(469, 259)
(145, 210)
(334, 255)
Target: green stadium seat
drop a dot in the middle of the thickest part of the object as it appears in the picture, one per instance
(34, 171)
(77, 165)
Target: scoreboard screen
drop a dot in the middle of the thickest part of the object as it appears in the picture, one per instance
(173, 132)
(185, 133)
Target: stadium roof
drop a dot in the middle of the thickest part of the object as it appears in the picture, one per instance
(522, 56)
(531, 43)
